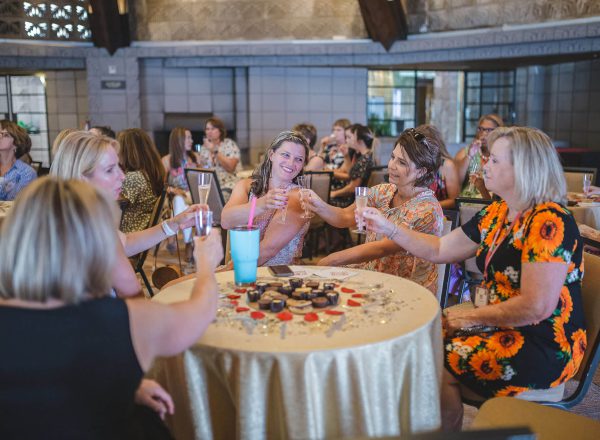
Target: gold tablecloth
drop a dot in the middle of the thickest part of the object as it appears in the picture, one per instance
(375, 371)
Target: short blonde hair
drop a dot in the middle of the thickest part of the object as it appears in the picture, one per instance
(539, 177)
(79, 153)
(54, 242)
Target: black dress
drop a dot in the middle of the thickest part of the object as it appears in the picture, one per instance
(67, 373)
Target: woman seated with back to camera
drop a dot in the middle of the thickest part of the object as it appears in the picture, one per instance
(405, 200)
(73, 356)
(278, 210)
(528, 247)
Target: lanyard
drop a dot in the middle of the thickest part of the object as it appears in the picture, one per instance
(494, 247)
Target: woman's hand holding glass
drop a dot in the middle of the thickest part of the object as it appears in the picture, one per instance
(376, 222)
(276, 198)
(208, 251)
(187, 218)
(313, 202)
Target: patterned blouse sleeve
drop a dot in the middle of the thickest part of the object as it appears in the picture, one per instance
(423, 218)
(132, 187)
(231, 149)
(550, 236)
(360, 168)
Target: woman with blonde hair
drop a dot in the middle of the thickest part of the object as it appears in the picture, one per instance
(144, 178)
(69, 347)
(472, 157)
(528, 324)
(14, 173)
(93, 158)
(274, 186)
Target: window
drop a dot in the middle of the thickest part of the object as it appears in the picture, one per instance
(391, 104)
(488, 92)
(65, 20)
(23, 100)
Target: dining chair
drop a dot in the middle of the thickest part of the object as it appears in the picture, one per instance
(140, 259)
(467, 208)
(554, 397)
(546, 423)
(215, 201)
(37, 166)
(378, 175)
(574, 177)
(320, 183)
(450, 223)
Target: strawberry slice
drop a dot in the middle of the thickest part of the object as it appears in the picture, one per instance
(357, 295)
(311, 317)
(240, 290)
(334, 312)
(347, 290)
(257, 315)
(285, 316)
(353, 303)
(241, 309)
(233, 302)
(233, 296)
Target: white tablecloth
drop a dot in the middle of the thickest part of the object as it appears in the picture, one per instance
(374, 371)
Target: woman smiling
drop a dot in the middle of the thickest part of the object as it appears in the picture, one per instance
(273, 183)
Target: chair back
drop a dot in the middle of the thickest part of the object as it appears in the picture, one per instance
(216, 202)
(37, 166)
(443, 270)
(378, 176)
(467, 208)
(590, 298)
(320, 183)
(574, 177)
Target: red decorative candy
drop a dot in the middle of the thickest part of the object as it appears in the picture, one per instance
(241, 309)
(357, 295)
(233, 302)
(285, 316)
(346, 290)
(353, 303)
(233, 296)
(257, 315)
(334, 312)
(311, 317)
(240, 290)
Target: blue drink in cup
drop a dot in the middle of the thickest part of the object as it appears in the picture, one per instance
(244, 243)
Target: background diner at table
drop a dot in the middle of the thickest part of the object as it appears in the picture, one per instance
(14, 173)
(529, 329)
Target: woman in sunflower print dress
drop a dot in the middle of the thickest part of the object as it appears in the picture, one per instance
(529, 249)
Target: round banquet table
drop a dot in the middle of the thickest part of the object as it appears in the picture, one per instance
(588, 214)
(374, 370)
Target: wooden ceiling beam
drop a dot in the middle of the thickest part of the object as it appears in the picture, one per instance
(385, 20)
(110, 29)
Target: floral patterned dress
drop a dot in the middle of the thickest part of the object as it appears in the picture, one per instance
(138, 190)
(227, 180)
(510, 361)
(360, 169)
(422, 213)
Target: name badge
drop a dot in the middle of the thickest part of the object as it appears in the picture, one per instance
(482, 297)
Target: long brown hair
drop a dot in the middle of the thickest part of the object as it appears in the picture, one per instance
(177, 148)
(262, 173)
(423, 152)
(138, 153)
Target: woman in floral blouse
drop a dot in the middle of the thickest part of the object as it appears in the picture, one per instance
(405, 200)
(222, 154)
(530, 252)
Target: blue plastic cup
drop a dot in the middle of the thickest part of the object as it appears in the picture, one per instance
(244, 245)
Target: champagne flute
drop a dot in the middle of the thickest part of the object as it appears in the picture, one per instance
(204, 181)
(361, 198)
(204, 220)
(587, 182)
(474, 170)
(304, 181)
(283, 210)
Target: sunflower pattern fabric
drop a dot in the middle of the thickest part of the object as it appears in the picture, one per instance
(538, 356)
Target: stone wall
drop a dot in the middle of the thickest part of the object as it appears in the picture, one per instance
(173, 20)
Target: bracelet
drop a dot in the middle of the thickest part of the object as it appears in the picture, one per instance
(167, 229)
(394, 231)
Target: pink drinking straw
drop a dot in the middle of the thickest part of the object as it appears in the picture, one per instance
(252, 208)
